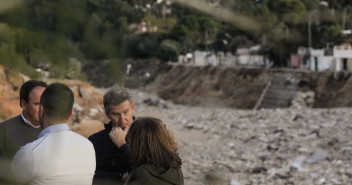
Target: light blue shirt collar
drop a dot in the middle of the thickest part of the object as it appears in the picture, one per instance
(54, 128)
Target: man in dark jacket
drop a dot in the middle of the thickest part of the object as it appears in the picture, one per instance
(113, 162)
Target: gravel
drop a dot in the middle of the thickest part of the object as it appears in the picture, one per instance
(266, 146)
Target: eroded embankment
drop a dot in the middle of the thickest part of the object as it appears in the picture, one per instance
(242, 87)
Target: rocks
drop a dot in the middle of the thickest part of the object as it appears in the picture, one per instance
(298, 162)
(10, 83)
(234, 182)
(215, 176)
(16, 79)
(155, 102)
(317, 156)
(267, 146)
(88, 100)
(303, 100)
(259, 170)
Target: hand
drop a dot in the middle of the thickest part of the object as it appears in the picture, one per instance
(118, 136)
(125, 176)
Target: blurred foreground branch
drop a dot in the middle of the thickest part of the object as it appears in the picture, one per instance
(8, 4)
(237, 19)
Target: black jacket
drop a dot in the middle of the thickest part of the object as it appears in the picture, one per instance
(111, 162)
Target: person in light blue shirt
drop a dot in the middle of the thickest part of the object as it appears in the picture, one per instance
(58, 156)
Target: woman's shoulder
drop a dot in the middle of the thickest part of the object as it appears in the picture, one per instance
(149, 173)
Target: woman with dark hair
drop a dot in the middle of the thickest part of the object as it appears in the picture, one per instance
(154, 154)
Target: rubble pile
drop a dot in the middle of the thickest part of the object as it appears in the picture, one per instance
(303, 100)
(267, 146)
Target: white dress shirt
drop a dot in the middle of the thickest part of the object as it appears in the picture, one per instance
(58, 156)
(28, 122)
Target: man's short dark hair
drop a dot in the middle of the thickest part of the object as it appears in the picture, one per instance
(27, 87)
(57, 101)
(116, 96)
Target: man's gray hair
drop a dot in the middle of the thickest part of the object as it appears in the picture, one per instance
(115, 97)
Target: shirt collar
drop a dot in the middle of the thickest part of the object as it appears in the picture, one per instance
(54, 128)
(28, 122)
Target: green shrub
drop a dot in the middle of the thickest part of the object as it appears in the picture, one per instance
(15, 62)
(169, 50)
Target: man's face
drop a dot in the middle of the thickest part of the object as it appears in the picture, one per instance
(31, 108)
(121, 115)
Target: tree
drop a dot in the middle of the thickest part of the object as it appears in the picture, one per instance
(23, 46)
(225, 36)
(291, 12)
(141, 45)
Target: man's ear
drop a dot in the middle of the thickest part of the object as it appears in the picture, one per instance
(107, 114)
(69, 116)
(133, 106)
(41, 111)
(23, 103)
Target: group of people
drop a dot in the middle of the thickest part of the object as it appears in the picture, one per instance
(38, 147)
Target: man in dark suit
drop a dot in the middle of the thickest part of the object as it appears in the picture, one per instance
(113, 160)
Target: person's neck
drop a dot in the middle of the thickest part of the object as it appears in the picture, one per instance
(47, 122)
(32, 122)
(35, 124)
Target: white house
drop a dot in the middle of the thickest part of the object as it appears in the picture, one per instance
(226, 59)
(243, 57)
(311, 59)
(319, 61)
(199, 58)
(342, 54)
(202, 58)
(250, 57)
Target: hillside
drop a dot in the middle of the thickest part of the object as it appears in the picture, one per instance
(60, 38)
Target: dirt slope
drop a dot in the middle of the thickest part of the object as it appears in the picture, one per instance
(210, 86)
(242, 87)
